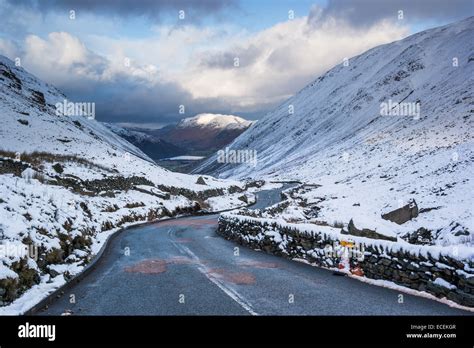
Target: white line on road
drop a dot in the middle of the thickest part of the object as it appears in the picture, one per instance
(204, 270)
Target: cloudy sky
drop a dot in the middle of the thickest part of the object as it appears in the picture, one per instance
(140, 60)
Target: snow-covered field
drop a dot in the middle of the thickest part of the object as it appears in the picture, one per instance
(68, 182)
(370, 155)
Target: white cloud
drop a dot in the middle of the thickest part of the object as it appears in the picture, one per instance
(61, 57)
(275, 63)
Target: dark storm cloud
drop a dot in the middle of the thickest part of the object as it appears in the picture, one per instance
(151, 9)
(368, 12)
(125, 99)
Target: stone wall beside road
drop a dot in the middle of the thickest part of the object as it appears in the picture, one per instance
(435, 270)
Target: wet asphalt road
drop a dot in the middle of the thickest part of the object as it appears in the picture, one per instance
(182, 267)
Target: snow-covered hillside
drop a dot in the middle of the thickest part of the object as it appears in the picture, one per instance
(68, 182)
(346, 132)
(127, 133)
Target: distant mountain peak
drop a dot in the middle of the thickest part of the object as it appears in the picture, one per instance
(208, 120)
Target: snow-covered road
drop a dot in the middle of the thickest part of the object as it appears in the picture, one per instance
(182, 267)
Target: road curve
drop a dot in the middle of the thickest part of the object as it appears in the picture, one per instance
(182, 267)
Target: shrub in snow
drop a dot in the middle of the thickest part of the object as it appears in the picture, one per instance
(58, 168)
(201, 181)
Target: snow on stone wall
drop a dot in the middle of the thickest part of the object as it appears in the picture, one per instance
(441, 271)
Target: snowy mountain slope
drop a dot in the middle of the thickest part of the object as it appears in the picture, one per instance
(68, 182)
(127, 133)
(24, 94)
(369, 162)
